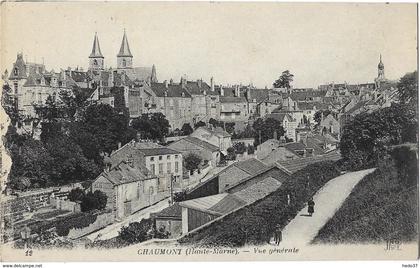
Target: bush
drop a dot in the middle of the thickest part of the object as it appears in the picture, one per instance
(76, 194)
(79, 220)
(255, 223)
(137, 232)
(192, 162)
(91, 201)
(405, 159)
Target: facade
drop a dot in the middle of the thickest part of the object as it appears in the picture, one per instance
(128, 189)
(287, 122)
(330, 124)
(170, 219)
(217, 137)
(191, 145)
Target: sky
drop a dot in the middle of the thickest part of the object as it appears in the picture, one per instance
(232, 42)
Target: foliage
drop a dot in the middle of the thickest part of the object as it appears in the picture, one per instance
(284, 80)
(366, 137)
(229, 127)
(76, 194)
(251, 149)
(152, 126)
(231, 155)
(248, 132)
(9, 104)
(180, 196)
(162, 233)
(199, 124)
(408, 89)
(255, 223)
(240, 148)
(192, 162)
(30, 164)
(405, 159)
(93, 201)
(70, 164)
(381, 207)
(265, 129)
(186, 129)
(79, 220)
(137, 232)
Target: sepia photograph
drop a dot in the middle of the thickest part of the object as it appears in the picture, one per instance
(208, 131)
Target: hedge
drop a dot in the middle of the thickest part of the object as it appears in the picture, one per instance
(255, 224)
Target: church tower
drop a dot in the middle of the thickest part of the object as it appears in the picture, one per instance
(124, 57)
(381, 69)
(96, 59)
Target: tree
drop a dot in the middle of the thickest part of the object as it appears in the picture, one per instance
(265, 129)
(76, 194)
(31, 165)
(152, 126)
(240, 148)
(9, 104)
(284, 80)
(213, 122)
(231, 154)
(192, 162)
(186, 129)
(92, 201)
(408, 89)
(365, 138)
(199, 124)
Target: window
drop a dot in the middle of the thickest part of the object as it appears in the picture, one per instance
(176, 156)
(15, 71)
(152, 158)
(168, 168)
(152, 169)
(95, 62)
(168, 157)
(16, 86)
(124, 63)
(160, 157)
(160, 168)
(176, 167)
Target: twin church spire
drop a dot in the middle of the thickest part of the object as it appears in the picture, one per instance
(124, 56)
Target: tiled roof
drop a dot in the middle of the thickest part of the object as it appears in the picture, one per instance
(158, 151)
(357, 107)
(226, 99)
(194, 87)
(280, 116)
(295, 146)
(292, 166)
(312, 106)
(218, 205)
(139, 73)
(258, 190)
(202, 143)
(251, 166)
(173, 90)
(218, 131)
(123, 173)
(172, 212)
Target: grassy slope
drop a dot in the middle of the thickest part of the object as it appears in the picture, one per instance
(379, 208)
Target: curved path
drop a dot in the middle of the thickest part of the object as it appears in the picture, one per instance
(303, 229)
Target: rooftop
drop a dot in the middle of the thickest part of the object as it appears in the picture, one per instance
(293, 166)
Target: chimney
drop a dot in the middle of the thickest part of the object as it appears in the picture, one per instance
(237, 91)
(171, 81)
(199, 82)
(165, 83)
(222, 91)
(212, 84)
(183, 82)
(119, 145)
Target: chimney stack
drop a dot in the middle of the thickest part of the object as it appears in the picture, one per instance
(222, 92)
(165, 83)
(199, 82)
(212, 84)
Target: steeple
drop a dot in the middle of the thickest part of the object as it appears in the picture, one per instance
(381, 69)
(124, 57)
(96, 59)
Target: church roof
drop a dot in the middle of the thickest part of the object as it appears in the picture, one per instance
(96, 49)
(125, 48)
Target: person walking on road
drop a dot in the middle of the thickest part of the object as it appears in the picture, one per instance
(278, 236)
(311, 206)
